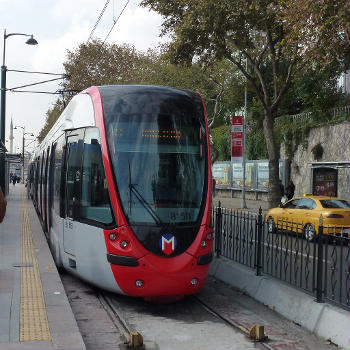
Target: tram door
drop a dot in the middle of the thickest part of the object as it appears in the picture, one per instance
(73, 186)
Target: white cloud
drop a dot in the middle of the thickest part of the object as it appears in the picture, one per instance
(51, 54)
(76, 10)
(136, 26)
(139, 27)
(60, 26)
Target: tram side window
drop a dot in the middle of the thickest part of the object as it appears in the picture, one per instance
(57, 173)
(95, 202)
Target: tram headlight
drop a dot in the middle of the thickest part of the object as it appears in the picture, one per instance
(138, 283)
(124, 244)
(194, 281)
(203, 244)
(209, 236)
(112, 236)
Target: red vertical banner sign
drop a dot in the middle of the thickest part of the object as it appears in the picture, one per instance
(237, 139)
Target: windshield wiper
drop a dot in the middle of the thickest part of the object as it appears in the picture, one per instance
(141, 199)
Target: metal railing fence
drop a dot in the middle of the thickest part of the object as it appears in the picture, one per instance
(334, 112)
(320, 267)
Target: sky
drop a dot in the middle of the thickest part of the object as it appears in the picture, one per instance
(58, 26)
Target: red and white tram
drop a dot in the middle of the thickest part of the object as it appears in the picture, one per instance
(121, 184)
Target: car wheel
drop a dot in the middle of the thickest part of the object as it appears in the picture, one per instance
(270, 225)
(309, 232)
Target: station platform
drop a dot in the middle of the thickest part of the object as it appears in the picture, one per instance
(34, 309)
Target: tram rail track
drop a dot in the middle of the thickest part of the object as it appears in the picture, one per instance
(255, 333)
(218, 318)
(132, 338)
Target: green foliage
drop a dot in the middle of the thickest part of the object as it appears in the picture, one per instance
(266, 34)
(322, 28)
(295, 132)
(218, 82)
(98, 63)
(315, 92)
(222, 141)
(256, 145)
(292, 132)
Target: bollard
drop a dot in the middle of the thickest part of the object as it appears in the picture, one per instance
(135, 340)
(257, 333)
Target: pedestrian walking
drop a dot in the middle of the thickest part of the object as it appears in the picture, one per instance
(14, 180)
(283, 198)
(290, 190)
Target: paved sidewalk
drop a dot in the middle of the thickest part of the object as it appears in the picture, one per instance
(236, 203)
(35, 312)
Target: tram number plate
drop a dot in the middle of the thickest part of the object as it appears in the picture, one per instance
(68, 224)
(181, 216)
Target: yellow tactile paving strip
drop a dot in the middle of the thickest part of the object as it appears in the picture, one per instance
(33, 319)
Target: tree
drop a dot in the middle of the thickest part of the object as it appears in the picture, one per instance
(95, 63)
(217, 81)
(241, 31)
(98, 63)
(321, 27)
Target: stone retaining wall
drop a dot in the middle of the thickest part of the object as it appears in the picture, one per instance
(335, 141)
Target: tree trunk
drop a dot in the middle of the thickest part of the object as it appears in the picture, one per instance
(214, 154)
(274, 196)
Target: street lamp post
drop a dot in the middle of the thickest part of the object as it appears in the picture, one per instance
(30, 41)
(244, 204)
(24, 133)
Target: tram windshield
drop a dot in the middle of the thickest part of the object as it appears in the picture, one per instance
(158, 149)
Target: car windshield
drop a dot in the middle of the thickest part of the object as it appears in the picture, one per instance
(291, 204)
(335, 203)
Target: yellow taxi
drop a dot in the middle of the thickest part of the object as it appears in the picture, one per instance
(302, 215)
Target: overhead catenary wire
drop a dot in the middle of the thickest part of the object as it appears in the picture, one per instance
(16, 89)
(34, 72)
(115, 21)
(36, 92)
(58, 92)
(98, 20)
(32, 84)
